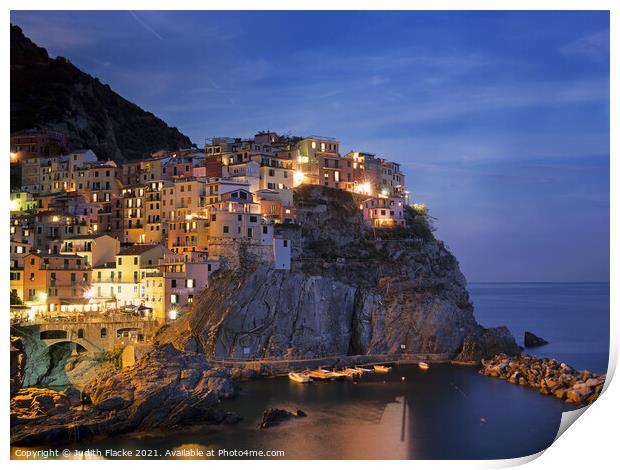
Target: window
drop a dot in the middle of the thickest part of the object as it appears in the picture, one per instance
(285, 243)
(135, 260)
(253, 218)
(174, 298)
(104, 332)
(264, 229)
(190, 284)
(80, 333)
(225, 229)
(173, 283)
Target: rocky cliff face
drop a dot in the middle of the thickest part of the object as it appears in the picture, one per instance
(53, 93)
(351, 290)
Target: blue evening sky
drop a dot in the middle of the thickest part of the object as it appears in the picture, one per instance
(500, 119)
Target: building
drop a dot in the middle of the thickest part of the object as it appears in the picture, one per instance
(94, 249)
(55, 282)
(183, 278)
(122, 281)
(22, 201)
(384, 211)
(37, 143)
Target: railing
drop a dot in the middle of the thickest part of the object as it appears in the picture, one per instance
(77, 319)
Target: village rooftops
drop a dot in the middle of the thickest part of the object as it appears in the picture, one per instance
(136, 249)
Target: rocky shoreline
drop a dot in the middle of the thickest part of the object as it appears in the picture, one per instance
(549, 376)
(167, 388)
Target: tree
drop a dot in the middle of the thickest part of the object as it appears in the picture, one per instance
(15, 300)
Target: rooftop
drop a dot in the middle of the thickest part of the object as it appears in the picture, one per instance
(136, 249)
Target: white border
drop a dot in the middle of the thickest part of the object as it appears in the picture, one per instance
(589, 444)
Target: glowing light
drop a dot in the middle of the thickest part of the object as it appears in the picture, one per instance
(172, 314)
(13, 205)
(89, 294)
(13, 156)
(55, 218)
(32, 313)
(298, 178)
(385, 193)
(365, 188)
(42, 296)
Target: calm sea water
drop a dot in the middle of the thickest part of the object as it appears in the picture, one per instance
(573, 317)
(446, 412)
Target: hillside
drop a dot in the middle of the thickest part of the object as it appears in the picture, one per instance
(53, 93)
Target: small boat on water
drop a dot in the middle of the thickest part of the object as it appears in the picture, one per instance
(423, 365)
(362, 369)
(380, 368)
(353, 372)
(338, 374)
(321, 374)
(299, 377)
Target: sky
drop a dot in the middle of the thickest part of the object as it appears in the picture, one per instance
(500, 119)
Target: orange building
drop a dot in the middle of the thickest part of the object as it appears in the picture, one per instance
(55, 280)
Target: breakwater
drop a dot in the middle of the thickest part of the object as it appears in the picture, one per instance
(549, 376)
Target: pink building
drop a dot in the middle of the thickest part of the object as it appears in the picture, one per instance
(384, 211)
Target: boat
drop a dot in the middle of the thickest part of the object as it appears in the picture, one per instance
(338, 374)
(423, 365)
(299, 377)
(321, 374)
(353, 372)
(380, 368)
(362, 369)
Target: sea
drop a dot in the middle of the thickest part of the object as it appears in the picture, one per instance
(446, 412)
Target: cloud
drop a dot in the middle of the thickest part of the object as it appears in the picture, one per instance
(593, 47)
(145, 26)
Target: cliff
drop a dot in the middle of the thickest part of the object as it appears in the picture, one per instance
(351, 290)
(53, 93)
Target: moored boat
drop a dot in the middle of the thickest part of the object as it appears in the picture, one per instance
(423, 365)
(353, 372)
(363, 369)
(321, 374)
(299, 377)
(380, 368)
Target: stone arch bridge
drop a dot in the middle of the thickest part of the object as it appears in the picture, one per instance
(93, 335)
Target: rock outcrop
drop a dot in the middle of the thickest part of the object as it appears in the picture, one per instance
(274, 416)
(18, 364)
(351, 290)
(547, 375)
(530, 340)
(166, 388)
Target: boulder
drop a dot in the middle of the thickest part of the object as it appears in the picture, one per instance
(530, 340)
